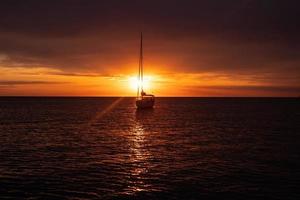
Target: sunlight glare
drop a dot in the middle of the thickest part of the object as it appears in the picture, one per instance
(134, 83)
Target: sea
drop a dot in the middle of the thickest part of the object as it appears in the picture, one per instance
(184, 148)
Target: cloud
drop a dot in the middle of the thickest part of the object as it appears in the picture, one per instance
(243, 90)
(64, 18)
(17, 82)
(61, 73)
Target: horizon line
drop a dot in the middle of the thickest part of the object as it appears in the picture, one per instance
(71, 96)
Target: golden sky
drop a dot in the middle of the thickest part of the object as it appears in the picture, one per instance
(51, 82)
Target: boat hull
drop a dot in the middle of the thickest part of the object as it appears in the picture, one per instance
(144, 103)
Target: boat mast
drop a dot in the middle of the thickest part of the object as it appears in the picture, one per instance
(142, 68)
(140, 77)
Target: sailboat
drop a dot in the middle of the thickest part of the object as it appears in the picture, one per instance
(143, 100)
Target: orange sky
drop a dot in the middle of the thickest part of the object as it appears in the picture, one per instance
(52, 82)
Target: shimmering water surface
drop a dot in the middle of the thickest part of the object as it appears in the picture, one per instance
(185, 148)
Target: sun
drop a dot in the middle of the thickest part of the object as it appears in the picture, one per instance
(134, 83)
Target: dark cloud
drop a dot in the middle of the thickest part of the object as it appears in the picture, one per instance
(68, 17)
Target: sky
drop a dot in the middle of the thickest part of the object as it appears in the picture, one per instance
(191, 47)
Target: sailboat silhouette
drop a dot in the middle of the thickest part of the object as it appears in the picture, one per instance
(143, 100)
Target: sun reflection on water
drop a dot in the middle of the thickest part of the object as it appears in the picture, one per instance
(139, 160)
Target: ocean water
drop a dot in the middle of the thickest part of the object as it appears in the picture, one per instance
(185, 148)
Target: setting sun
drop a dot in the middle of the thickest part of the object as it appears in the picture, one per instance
(134, 83)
